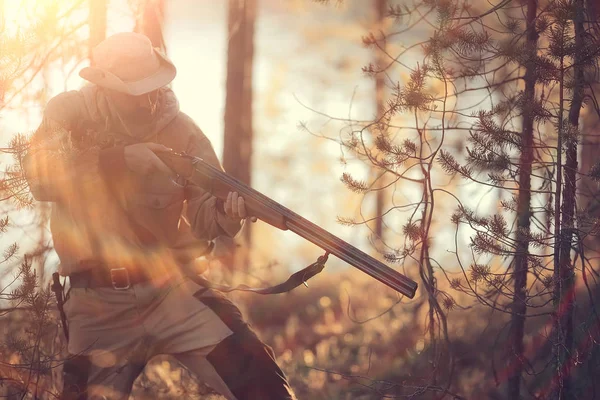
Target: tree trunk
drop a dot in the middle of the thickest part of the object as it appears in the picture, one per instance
(237, 146)
(97, 24)
(589, 198)
(380, 8)
(151, 22)
(519, 303)
(564, 294)
(589, 195)
(2, 82)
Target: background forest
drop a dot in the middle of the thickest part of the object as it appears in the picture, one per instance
(457, 141)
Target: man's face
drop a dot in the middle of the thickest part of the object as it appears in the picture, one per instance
(134, 107)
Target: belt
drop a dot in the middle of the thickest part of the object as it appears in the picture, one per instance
(100, 275)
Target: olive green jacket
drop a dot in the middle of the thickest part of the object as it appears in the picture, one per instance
(101, 210)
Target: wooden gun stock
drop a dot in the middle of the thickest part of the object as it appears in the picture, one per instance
(219, 184)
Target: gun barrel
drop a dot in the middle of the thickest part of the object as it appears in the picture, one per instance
(219, 184)
(353, 256)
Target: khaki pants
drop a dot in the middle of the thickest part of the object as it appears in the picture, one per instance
(113, 333)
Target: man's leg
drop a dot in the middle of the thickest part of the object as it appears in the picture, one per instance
(241, 361)
(195, 361)
(103, 375)
(101, 319)
(76, 371)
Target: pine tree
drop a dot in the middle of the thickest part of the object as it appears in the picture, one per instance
(529, 64)
(31, 347)
(560, 64)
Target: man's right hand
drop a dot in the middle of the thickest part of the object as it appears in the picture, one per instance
(140, 158)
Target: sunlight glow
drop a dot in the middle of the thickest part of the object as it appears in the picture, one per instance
(21, 13)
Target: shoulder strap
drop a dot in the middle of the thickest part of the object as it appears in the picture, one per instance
(292, 282)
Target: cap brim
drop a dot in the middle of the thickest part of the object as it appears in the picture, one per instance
(162, 77)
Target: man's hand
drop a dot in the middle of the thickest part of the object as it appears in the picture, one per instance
(235, 207)
(140, 158)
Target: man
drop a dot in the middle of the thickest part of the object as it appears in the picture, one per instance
(128, 230)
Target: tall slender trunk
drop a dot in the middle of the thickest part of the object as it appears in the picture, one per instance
(380, 7)
(151, 22)
(97, 24)
(237, 146)
(2, 22)
(519, 303)
(426, 268)
(238, 134)
(564, 275)
(589, 197)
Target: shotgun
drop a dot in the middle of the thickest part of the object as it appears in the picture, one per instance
(219, 184)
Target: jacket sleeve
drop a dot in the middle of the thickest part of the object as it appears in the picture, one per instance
(54, 167)
(205, 217)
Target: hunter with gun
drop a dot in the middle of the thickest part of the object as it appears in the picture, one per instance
(138, 196)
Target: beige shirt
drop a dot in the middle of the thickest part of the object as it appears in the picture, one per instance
(103, 211)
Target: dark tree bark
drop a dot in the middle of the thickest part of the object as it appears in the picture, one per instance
(520, 265)
(564, 274)
(589, 198)
(237, 146)
(380, 8)
(151, 22)
(2, 83)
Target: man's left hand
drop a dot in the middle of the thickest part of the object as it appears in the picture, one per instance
(235, 207)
